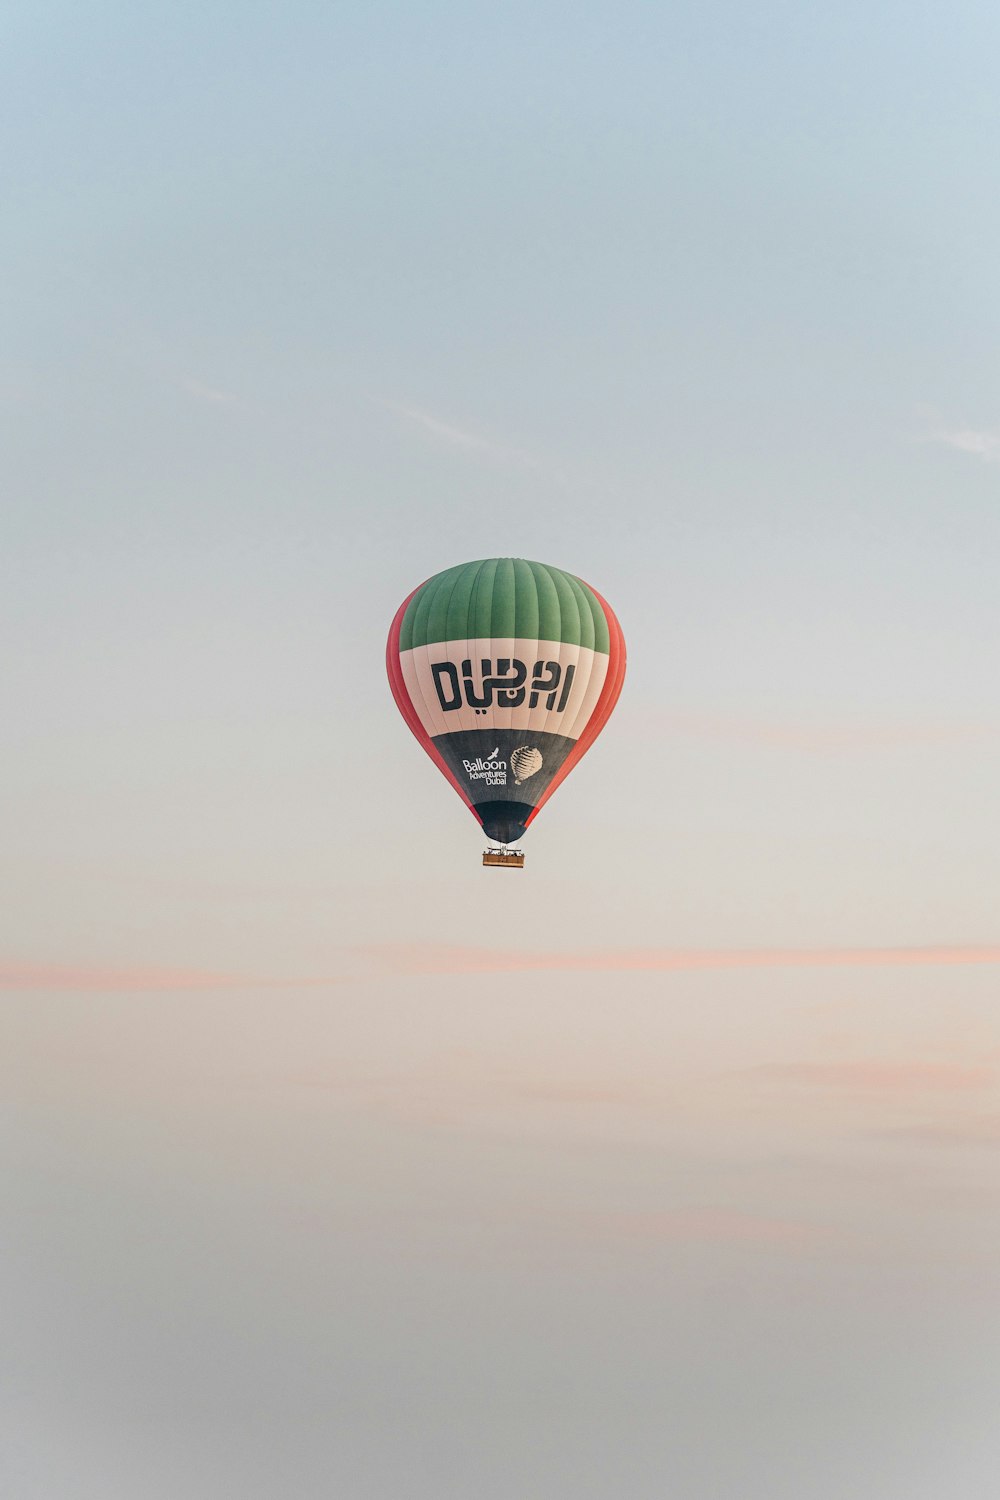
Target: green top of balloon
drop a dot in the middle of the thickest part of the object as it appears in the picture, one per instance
(504, 597)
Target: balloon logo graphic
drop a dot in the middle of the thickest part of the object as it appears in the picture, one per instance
(506, 671)
(525, 761)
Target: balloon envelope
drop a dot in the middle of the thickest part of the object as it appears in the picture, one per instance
(506, 671)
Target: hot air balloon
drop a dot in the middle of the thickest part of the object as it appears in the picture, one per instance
(506, 671)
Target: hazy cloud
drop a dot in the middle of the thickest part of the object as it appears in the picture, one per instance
(207, 393)
(983, 443)
(386, 961)
(822, 738)
(882, 1076)
(17, 976)
(449, 435)
(430, 959)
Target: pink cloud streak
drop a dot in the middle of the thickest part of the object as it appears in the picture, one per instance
(877, 1076)
(378, 961)
(820, 738)
(420, 959)
(16, 976)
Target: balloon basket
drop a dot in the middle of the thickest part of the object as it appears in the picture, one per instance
(504, 859)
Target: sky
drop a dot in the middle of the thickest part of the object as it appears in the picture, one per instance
(330, 1162)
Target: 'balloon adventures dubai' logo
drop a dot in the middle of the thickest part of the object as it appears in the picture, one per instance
(488, 768)
(525, 762)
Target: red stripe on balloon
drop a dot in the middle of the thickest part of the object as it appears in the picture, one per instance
(405, 704)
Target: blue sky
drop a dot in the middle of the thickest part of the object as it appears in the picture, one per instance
(302, 305)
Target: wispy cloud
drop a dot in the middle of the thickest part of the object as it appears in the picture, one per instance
(979, 442)
(829, 738)
(19, 976)
(984, 445)
(449, 435)
(430, 959)
(211, 395)
(407, 960)
(881, 1077)
(142, 977)
(446, 432)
